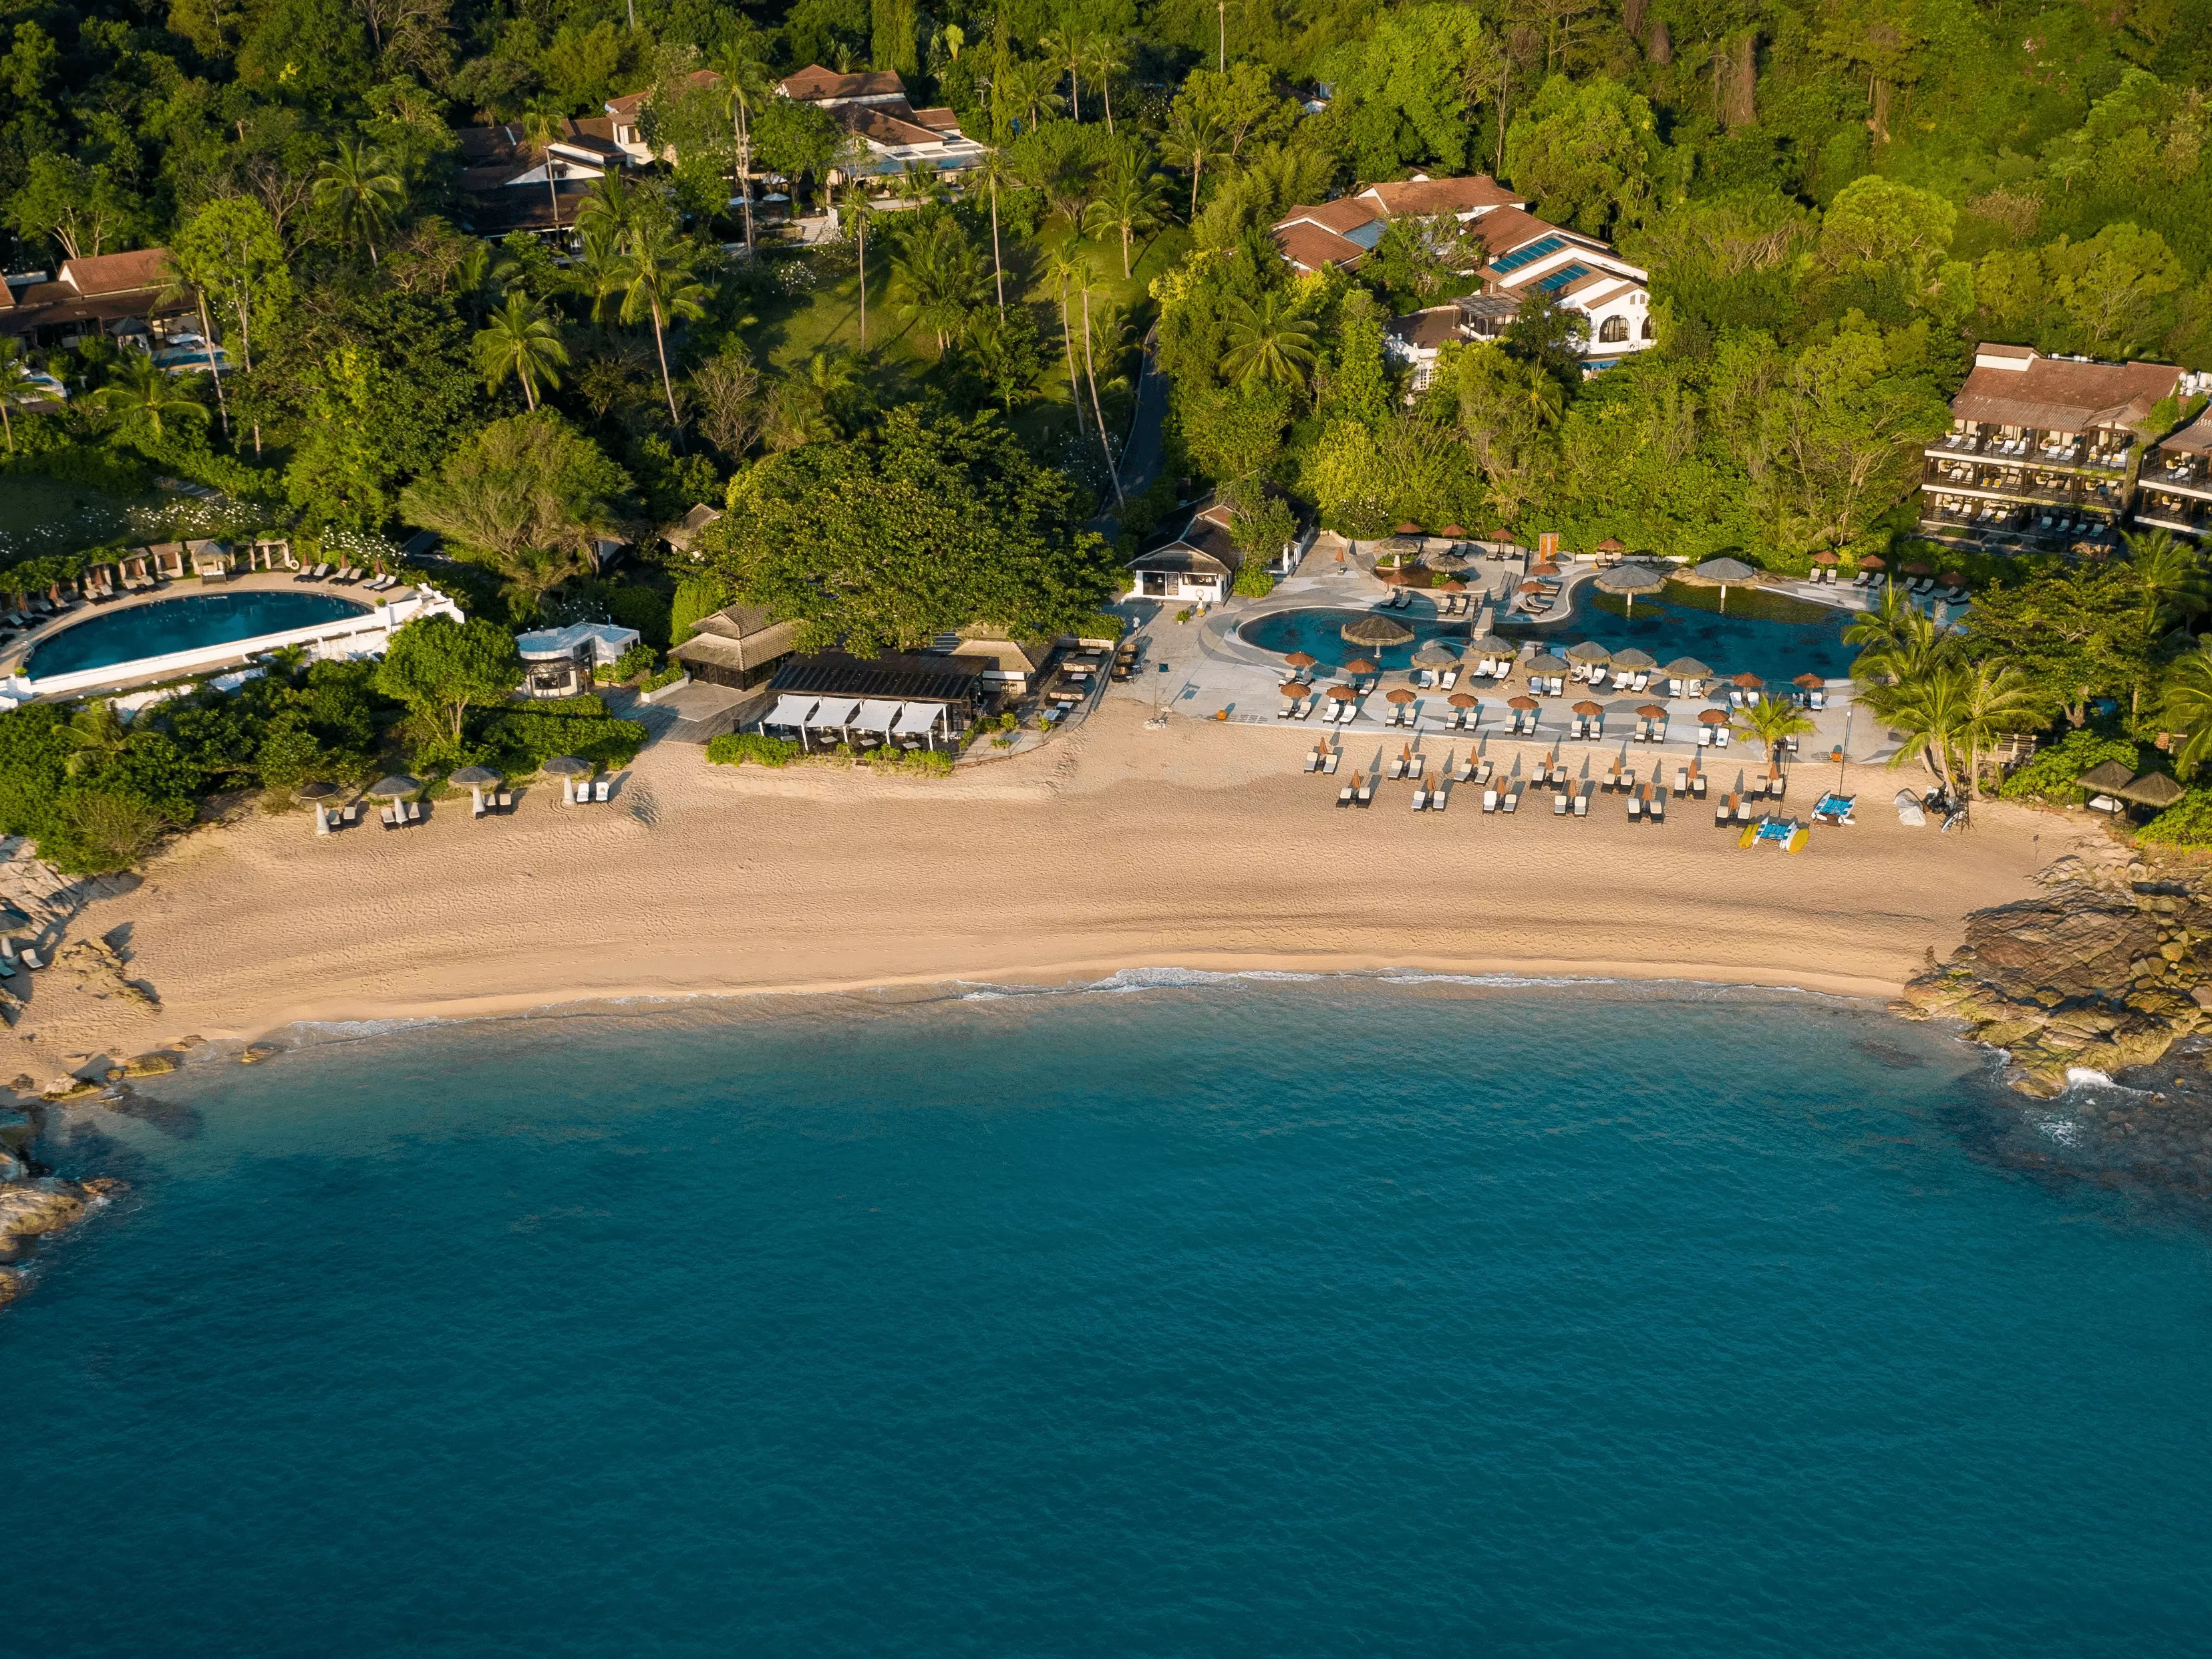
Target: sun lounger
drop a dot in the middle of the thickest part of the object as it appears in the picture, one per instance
(1654, 809)
(1344, 796)
(1774, 787)
(1450, 678)
(29, 958)
(414, 811)
(1437, 797)
(1722, 812)
(1306, 708)
(1420, 797)
(1681, 780)
(1558, 806)
(478, 806)
(1366, 795)
(1313, 761)
(1490, 801)
(1743, 813)
(392, 818)
(1512, 801)
(1582, 803)
(1635, 809)
(1329, 763)
(1397, 767)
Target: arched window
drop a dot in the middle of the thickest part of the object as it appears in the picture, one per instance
(1649, 332)
(1613, 331)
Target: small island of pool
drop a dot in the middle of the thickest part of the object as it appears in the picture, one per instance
(189, 624)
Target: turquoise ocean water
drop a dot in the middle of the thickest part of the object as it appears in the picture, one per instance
(1241, 1318)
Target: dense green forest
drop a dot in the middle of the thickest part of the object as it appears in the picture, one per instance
(1835, 200)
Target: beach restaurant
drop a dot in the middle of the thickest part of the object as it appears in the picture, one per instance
(557, 662)
(910, 702)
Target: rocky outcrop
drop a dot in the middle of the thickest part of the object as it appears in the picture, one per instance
(2107, 970)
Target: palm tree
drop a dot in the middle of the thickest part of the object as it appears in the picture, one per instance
(1065, 51)
(860, 211)
(1065, 268)
(188, 279)
(519, 340)
(1269, 343)
(1190, 139)
(744, 82)
(16, 386)
(544, 119)
(2188, 707)
(615, 205)
(1103, 55)
(1772, 719)
(1931, 709)
(2000, 699)
(942, 279)
(659, 284)
(363, 193)
(1548, 399)
(2171, 576)
(990, 171)
(139, 394)
(920, 185)
(97, 735)
(1028, 89)
(597, 272)
(1084, 278)
(1131, 203)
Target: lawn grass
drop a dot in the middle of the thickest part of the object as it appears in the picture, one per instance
(40, 515)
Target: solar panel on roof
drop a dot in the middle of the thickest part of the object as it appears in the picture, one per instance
(1367, 234)
(1535, 251)
(1559, 278)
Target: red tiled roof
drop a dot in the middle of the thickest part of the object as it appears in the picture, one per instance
(938, 119)
(874, 122)
(814, 83)
(117, 273)
(1422, 196)
(1315, 249)
(1345, 215)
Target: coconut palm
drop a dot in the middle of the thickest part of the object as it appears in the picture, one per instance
(141, 396)
(97, 735)
(659, 285)
(941, 278)
(2000, 699)
(596, 271)
(1130, 204)
(16, 386)
(2188, 707)
(920, 185)
(744, 83)
(544, 119)
(1930, 708)
(1772, 719)
(994, 170)
(1191, 141)
(1065, 268)
(2171, 576)
(361, 191)
(1269, 343)
(1104, 57)
(1084, 278)
(615, 205)
(860, 210)
(519, 341)
(1066, 50)
(1029, 89)
(187, 279)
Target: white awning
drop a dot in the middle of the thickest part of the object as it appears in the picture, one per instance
(789, 711)
(877, 716)
(918, 717)
(836, 712)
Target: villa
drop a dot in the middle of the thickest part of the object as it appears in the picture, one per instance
(508, 184)
(1520, 255)
(2048, 452)
(738, 647)
(125, 297)
(558, 662)
(908, 701)
(871, 106)
(1196, 560)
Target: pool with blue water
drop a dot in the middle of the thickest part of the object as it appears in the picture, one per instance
(1788, 637)
(183, 624)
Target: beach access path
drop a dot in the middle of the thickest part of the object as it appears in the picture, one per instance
(1120, 845)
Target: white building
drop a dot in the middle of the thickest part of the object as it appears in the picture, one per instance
(558, 662)
(872, 106)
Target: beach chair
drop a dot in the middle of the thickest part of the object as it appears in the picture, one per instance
(414, 811)
(1490, 801)
(1512, 801)
(1743, 813)
(1450, 679)
(1465, 773)
(1437, 797)
(392, 818)
(1635, 809)
(1774, 787)
(603, 789)
(1654, 808)
(1628, 779)
(1582, 803)
(1289, 710)
(1697, 784)
(29, 958)
(1397, 767)
(1420, 797)
(1344, 796)
(1306, 708)
(1724, 813)
(1313, 760)
(1366, 795)
(1681, 780)
(1558, 806)
(1720, 737)
(1575, 727)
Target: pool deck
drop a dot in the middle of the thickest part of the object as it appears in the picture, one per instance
(1213, 674)
(18, 651)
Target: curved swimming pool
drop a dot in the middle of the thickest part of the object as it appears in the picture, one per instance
(1788, 638)
(190, 624)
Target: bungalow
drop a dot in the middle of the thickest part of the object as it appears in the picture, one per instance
(909, 701)
(625, 116)
(871, 106)
(122, 296)
(2046, 451)
(509, 184)
(558, 662)
(1010, 667)
(737, 647)
(1195, 561)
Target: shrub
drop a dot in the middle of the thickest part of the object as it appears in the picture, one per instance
(520, 740)
(645, 609)
(1254, 581)
(2187, 822)
(638, 660)
(587, 703)
(2050, 776)
(668, 676)
(736, 748)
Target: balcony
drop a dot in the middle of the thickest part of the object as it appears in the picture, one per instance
(2101, 453)
(2041, 485)
(1950, 516)
(2162, 509)
(2178, 471)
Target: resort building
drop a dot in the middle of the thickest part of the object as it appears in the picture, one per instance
(626, 113)
(2045, 451)
(1518, 254)
(558, 662)
(871, 106)
(508, 184)
(1195, 561)
(121, 295)
(1011, 668)
(2174, 487)
(738, 647)
(906, 702)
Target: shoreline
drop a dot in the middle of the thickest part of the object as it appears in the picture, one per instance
(1198, 847)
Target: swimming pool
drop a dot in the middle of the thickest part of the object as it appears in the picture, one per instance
(191, 623)
(1804, 639)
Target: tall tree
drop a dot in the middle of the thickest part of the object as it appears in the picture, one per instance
(659, 284)
(361, 191)
(519, 342)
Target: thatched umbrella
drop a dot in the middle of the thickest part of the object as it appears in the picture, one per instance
(1343, 693)
(1454, 585)
(2152, 789)
(567, 768)
(1630, 578)
(1523, 703)
(1436, 653)
(1652, 711)
(1872, 561)
(1808, 682)
(1395, 549)
(1749, 682)
(317, 793)
(1611, 544)
(1371, 629)
(1588, 650)
(1687, 668)
(1409, 530)
(1531, 585)
(1824, 557)
(1445, 563)
(1725, 571)
(1489, 644)
(1714, 717)
(1399, 694)
(1916, 568)
(1586, 708)
(1464, 700)
(395, 788)
(2108, 779)
(1545, 663)
(1633, 659)
(1453, 531)
(475, 779)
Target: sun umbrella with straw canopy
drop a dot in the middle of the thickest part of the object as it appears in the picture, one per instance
(1343, 693)
(1454, 585)
(1872, 561)
(1808, 682)
(316, 792)
(1436, 653)
(1588, 650)
(1749, 682)
(2107, 778)
(1489, 644)
(1395, 548)
(1954, 579)
(1628, 577)
(1687, 668)
(1633, 659)
(1464, 700)
(1399, 694)
(1371, 629)
(1824, 557)
(1725, 571)
(1652, 711)
(395, 788)
(566, 768)
(1714, 717)
(1531, 586)
(2153, 789)
(1544, 663)
(1916, 568)
(474, 779)
(1586, 708)
(1445, 563)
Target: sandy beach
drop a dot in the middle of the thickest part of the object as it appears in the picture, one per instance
(1194, 846)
